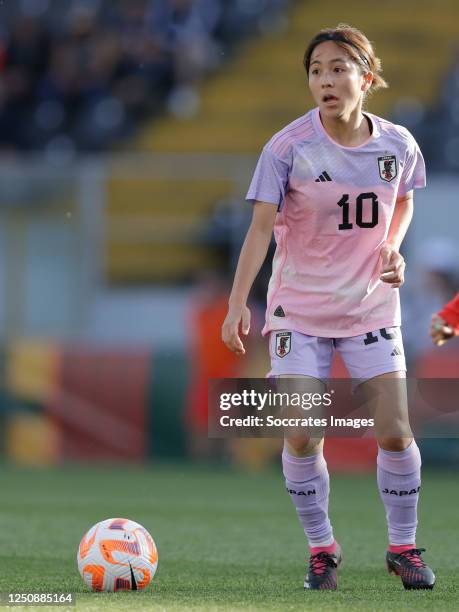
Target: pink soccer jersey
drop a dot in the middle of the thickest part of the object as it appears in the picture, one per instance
(335, 208)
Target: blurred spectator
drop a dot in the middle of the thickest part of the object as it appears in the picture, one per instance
(26, 55)
(186, 29)
(81, 74)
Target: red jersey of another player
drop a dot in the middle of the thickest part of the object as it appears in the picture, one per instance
(450, 313)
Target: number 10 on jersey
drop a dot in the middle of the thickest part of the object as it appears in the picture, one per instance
(361, 199)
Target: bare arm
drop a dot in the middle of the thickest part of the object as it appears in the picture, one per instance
(252, 256)
(401, 219)
(393, 264)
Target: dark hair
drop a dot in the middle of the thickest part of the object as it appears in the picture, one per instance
(356, 44)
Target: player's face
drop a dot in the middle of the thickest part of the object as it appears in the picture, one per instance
(335, 80)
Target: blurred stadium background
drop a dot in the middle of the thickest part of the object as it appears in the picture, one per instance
(129, 131)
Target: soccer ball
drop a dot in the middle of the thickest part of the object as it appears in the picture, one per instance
(117, 555)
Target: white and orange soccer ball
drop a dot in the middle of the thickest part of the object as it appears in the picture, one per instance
(117, 555)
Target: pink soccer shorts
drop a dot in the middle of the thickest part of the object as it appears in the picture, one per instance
(296, 354)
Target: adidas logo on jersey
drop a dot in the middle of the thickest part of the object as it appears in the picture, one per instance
(396, 351)
(323, 177)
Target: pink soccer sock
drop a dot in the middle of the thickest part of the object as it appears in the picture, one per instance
(307, 482)
(315, 550)
(399, 481)
(400, 548)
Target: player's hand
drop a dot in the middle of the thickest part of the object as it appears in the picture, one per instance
(237, 316)
(392, 267)
(440, 331)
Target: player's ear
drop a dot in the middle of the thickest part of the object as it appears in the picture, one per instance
(367, 81)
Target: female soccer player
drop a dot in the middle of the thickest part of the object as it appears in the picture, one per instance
(336, 185)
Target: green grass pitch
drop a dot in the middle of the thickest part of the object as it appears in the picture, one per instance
(227, 540)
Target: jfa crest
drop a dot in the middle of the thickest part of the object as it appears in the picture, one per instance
(283, 343)
(387, 167)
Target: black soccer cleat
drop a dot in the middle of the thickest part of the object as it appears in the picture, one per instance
(322, 571)
(415, 574)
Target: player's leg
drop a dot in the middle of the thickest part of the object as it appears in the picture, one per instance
(308, 484)
(399, 479)
(306, 475)
(398, 461)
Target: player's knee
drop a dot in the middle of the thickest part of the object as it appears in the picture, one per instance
(304, 446)
(394, 444)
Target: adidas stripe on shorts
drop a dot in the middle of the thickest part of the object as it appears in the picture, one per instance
(365, 356)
